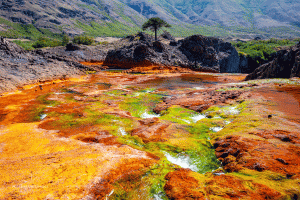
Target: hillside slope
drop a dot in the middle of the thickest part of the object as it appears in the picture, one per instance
(267, 18)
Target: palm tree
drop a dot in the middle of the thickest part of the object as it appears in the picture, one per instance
(155, 24)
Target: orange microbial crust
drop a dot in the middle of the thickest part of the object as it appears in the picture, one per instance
(283, 157)
(184, 184)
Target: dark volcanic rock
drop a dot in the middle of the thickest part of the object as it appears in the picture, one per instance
(195, 52)
(167, 35)
(286, 64)
(211, 52)
(72, 47)
(143, 51)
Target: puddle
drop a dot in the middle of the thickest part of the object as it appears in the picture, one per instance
(197, 118)
(216, 129)
(147, 115)
(183, 81)
(183, 161)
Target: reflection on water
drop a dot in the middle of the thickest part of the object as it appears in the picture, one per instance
(183, 81)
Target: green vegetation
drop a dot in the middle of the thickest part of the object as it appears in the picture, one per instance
(46, 42)
(65, 40)
(261, 50)
(155, 24)
(115, 29)
(83, 39)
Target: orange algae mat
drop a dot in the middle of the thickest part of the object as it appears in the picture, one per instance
(84, 139)
(36, 164)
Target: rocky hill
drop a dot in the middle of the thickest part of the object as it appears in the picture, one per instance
(196, 52)
(286, 64)
(108, 17)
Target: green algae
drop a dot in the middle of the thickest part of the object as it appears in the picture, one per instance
(149, 186)
(178, 115)
(192, 140)
(139, 103)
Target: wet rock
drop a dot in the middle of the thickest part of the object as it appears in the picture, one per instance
(231, 187)
(286, 64)
(152, 133)
(285, 136)
(149, 121)
(237, 152)
(121, 113)
(181, 185)
(198, 101)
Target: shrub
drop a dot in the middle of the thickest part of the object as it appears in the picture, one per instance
(81, 39)
(65, 40)
(46, 42)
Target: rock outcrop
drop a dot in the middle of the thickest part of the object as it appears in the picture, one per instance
(19, 67)
(286, 64)
(196, 52)
(211, 52)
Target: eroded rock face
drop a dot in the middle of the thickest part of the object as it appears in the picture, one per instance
(198, 101)
(285, 65)
(196, 52)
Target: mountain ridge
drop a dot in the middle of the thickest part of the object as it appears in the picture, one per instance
(209, 17)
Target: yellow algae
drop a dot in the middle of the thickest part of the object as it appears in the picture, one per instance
(11, 93)
(36, 165)
(12, 107)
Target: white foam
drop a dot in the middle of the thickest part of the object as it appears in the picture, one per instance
(157, 197)
(227, 122)
(43, 116)
(122, 131)
(199, 88)
(147, 115)
(233, 110)
(187, 121)
(216, 129)
(196, 118)
(182, 161)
